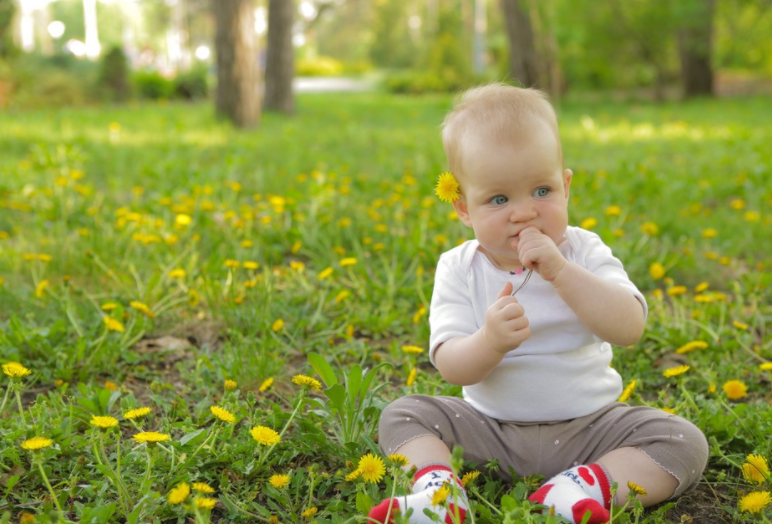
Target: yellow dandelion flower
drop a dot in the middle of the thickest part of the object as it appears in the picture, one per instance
(627, 392)
(250, 264)
(297, 266)
(15, 370)
(265, 436)
(324, 273)
(349, 261)
(670, 411)
(441, 495)
(372, 468)
(267, 383)
(712, 387)
(109, 306)
(589, 223)
(735, 389)
(205, 502)
(309, 512)
(649, 228)
(636, 489)
(676, 291)
(151, 437)
(183, 220)
(40, 290)
(737, 204)
(179, 493)
(36, 443)
(740, 325)
(277, 325)
(177, 273)
(203, 487)
(142, 308)
(613, 211)
(223, 414)
(273, 519)
(351, 477)
(419, 314)
(400, 460)
(412, 350)
(137, 413)
(469, 477)
(691, 346)
(752, 216)
(411, 377)
(303, 380)
(656, 270)
(343, 295)
(766, 366)
(675, 371)
(709, 233)
(279, 481)
(447, 188)
(230, 385)
(26, 518)
(754, 502)
(103, 422)
(756, 469)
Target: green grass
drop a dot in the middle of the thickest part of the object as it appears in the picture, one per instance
(103, 207)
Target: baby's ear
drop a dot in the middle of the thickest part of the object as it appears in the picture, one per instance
(568, 175)
(462, 211)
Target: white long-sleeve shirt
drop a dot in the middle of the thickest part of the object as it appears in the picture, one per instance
(562, 371)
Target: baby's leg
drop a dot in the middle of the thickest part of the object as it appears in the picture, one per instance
(635, 465)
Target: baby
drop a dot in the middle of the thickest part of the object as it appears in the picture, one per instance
(539, 395)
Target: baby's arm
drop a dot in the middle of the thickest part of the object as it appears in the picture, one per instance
(468, 360)
(609, 310)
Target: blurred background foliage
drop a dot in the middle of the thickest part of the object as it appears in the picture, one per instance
(164, 49)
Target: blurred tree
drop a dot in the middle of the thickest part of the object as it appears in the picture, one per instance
(523, 61)
(7, 11)
(237, 95)
(393, 43)
(280, 63)
(114, 74)
(695, 47)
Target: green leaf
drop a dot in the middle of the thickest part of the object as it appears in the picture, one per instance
(323, 368)
(190, 436)
(337, 396)
(364, 503)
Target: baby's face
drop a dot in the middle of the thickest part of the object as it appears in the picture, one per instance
(508, 185)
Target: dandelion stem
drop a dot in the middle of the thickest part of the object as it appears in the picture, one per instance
(232, 503)
(21, 408)
(5, 397)
(50, 489)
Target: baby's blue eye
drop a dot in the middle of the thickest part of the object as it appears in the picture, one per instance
(541, 192)
(499, 200)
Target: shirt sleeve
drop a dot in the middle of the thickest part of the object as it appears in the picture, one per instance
(598, 258)
(451, 312)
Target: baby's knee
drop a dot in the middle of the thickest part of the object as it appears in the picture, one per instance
(686, 452)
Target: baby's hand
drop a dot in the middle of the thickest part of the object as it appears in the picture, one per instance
(506, 326)
(537, 251)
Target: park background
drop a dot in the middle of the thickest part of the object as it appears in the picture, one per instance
(218, 234)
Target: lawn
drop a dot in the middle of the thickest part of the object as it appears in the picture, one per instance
(264, 295)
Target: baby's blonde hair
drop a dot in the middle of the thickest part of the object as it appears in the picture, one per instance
(494, 112)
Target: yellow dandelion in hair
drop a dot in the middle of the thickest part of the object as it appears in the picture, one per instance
(142, 308)
(137, 413)
(179, 493)
(203, 487)
(267, 383)
(691, 346)
(310, 512)
(469, 477)
(755, 469)
(627, 392)
(265, 436)
(447, 188)
(36, 443)
(441, 495)
(756, 501)
(371, 468)
(303, 380)
(279, 481)
(400, 460)
(15, 370)
(636, 489)
(205, 502)
(735, 389)
(415, 350)
(675, 371)
(223, 414)
(151, 437)
(103, 422)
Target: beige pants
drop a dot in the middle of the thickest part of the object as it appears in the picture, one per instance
(548, 448)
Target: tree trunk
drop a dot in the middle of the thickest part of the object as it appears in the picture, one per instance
(695, 45)
(238, 96)
(523, 60)
(280, 61)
